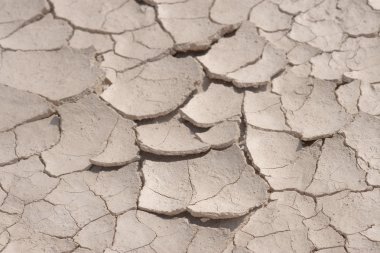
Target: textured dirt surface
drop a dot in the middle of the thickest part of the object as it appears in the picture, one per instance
(190, 126)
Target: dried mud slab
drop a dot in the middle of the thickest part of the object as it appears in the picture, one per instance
(374, 4)
(264, 110)
(281, 158)
(278, 39)
(267, 148)
(271, 62)
(325, 25)
(302, 53)
(45, 34)
(369, 101)
(121, 148)
(35, 137)
(84, 196)
(194, 15)
(291, 223)
(144, 44)
(299, 173)
(123, 187)
(97, 235)
(221, 135)
(348, 96)
(320, 115)
(209, 108)
(117, 63)
(26, 182)
(88, 126)
(55, 75)
(174, 187)
(356, 59)
(245, 59)
(43, 227)
(337, 169)
(294, 86)
(363, 136)
(156, 89)
(279, 20)
(359, 218)
(101, 15)
(7, 148)
(83, 40)
(15, 14)
(138, 231)
(18, 107)
(169, 138)
(230, 11)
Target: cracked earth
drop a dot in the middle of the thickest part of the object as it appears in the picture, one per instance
(190, 126)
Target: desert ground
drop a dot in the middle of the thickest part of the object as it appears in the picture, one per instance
(190, 126)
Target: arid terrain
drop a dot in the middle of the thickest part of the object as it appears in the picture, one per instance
(190, 126)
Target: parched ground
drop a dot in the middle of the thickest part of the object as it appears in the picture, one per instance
(189, 126)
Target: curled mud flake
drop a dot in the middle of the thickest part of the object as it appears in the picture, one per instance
(169, 138)
(121, 148)
(157, 89)
(272, 62)
(246, 59)
(45, 34)
(86, 128)
(299, 173)
(221, 135)
(270, 149)
(174, 187)
(56, 75)
(200, 30)
(138, 231)
(279, 40)
(311, 121)
(231, 54)
(209, 108)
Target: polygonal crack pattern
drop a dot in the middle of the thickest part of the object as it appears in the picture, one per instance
(187, 126)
